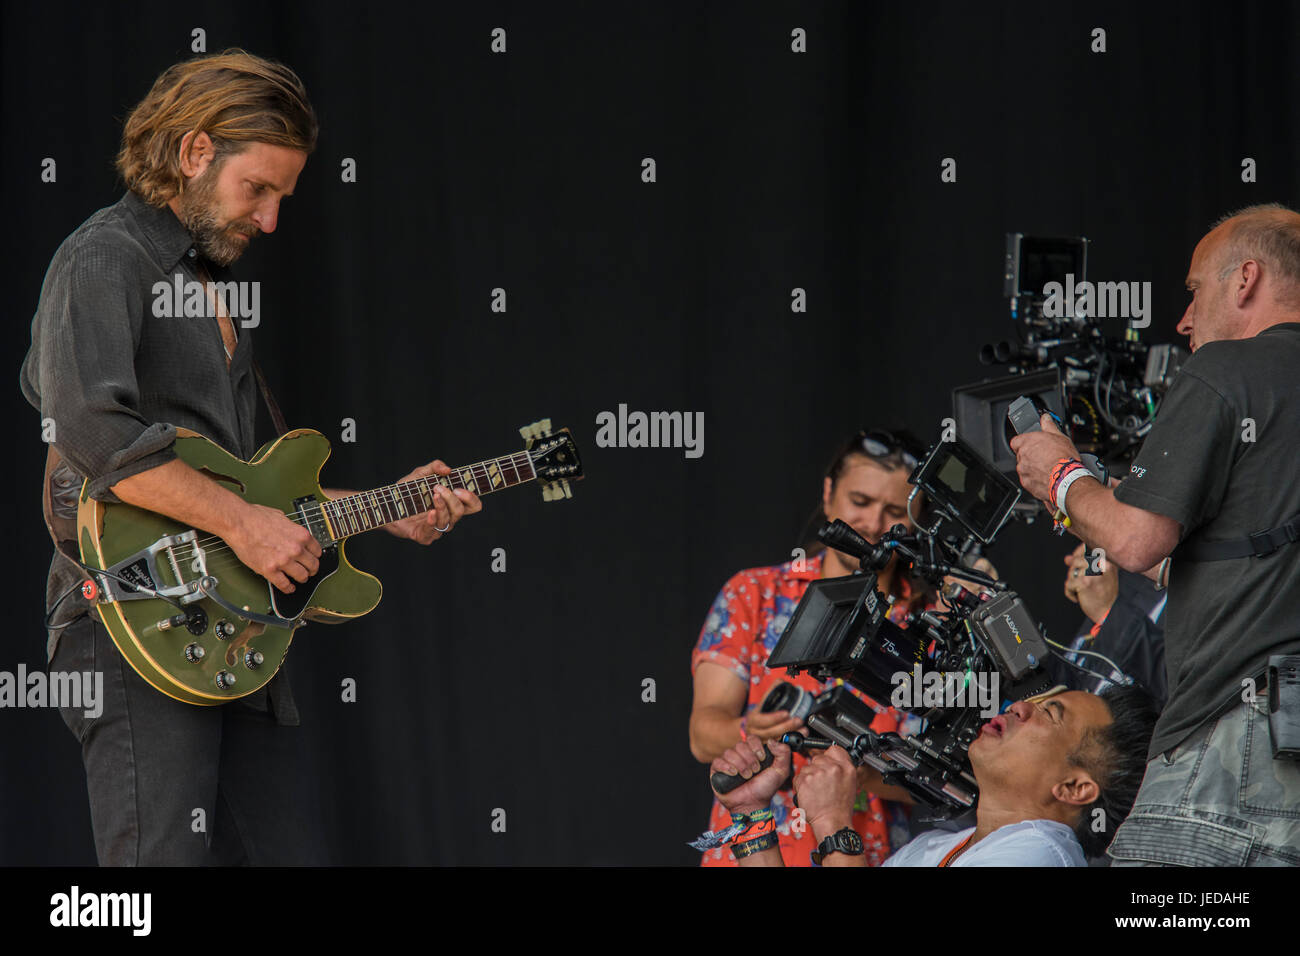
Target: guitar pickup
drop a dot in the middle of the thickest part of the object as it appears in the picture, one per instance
(311, 514)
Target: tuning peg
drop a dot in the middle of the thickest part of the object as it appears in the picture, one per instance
(538, 429)
(555, 490)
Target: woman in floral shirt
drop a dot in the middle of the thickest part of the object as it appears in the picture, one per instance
(866, 487)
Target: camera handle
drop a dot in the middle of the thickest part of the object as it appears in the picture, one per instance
(1024, 416)
(726, 782)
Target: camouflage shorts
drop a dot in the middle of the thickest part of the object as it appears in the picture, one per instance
(1218, 799)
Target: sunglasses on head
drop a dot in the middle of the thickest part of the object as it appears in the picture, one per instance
(881, 444)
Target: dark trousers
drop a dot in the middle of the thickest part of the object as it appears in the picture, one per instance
(172, 784)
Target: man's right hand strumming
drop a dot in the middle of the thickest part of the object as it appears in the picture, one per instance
(263, 538)
(275, 547)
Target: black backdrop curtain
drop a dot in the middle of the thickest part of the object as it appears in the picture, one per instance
(523, 690)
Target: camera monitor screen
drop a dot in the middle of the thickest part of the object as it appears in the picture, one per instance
(960, 481)
(827, 621)
(1034, 261)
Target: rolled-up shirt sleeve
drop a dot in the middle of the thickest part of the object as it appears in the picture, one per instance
(81, 372)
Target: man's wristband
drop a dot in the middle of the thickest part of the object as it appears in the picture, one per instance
(758, 816)
(754, 825)
(744, 826)
(766, 842)
(758, 832)
(1058, 472)
(1069, 477)
(1096, 627)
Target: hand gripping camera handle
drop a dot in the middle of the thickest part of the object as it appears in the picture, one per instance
(1023, 416)
(726, 782)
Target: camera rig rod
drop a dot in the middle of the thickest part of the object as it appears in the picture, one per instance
(921, 550)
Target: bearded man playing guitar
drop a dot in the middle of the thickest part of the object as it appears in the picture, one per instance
(207, 157)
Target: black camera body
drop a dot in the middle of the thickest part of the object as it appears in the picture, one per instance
(1104, 389)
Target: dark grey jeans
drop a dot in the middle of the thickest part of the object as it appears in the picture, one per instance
(172, 784)
(1217, 799)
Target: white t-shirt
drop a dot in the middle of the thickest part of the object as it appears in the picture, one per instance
(1028, 843)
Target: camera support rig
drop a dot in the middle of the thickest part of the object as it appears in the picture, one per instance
(840, 630)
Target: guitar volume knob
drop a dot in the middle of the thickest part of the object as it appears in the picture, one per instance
(253, 660)
(225, 629)
(194, 653)
(225, 680)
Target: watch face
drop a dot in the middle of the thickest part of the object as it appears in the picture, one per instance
(850, 841)
(846, 841)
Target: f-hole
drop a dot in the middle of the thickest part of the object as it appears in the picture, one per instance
(205, 470)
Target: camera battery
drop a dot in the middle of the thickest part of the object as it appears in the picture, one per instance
(1011, 635)
(1284, 705)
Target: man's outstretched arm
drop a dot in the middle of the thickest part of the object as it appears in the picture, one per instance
(1133, 538)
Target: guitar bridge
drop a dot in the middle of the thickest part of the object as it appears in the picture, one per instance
(138, 577)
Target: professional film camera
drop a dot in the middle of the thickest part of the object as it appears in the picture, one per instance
(984, 637)
(1105, 389)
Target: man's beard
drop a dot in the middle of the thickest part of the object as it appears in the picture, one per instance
(198, 214)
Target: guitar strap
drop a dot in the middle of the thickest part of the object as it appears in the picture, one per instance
(218, 306)
(272, 406)
(59, 495)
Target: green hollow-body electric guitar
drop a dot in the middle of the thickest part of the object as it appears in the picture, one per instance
(199, 625)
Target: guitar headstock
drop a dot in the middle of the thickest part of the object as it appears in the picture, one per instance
(554, 456)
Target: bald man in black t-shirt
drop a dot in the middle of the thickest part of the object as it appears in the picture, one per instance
(1214, 493)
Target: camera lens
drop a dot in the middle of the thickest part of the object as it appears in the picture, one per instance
(785, 696)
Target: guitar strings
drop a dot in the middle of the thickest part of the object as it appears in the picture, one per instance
(444, 480)
(215, 557)
(185, 553)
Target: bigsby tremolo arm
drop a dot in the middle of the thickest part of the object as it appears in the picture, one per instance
(138, 577)
(141, 572)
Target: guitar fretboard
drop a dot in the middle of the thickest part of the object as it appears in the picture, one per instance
(367, 510)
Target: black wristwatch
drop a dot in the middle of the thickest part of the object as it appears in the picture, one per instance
(846, 841)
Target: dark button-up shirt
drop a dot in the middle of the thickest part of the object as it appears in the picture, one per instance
(116, 378)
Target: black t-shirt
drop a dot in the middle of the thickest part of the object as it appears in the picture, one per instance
(1223, 459)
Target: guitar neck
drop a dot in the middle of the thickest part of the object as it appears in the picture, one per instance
(367, 510)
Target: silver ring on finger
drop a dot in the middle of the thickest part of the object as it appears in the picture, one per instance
(442, 530)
